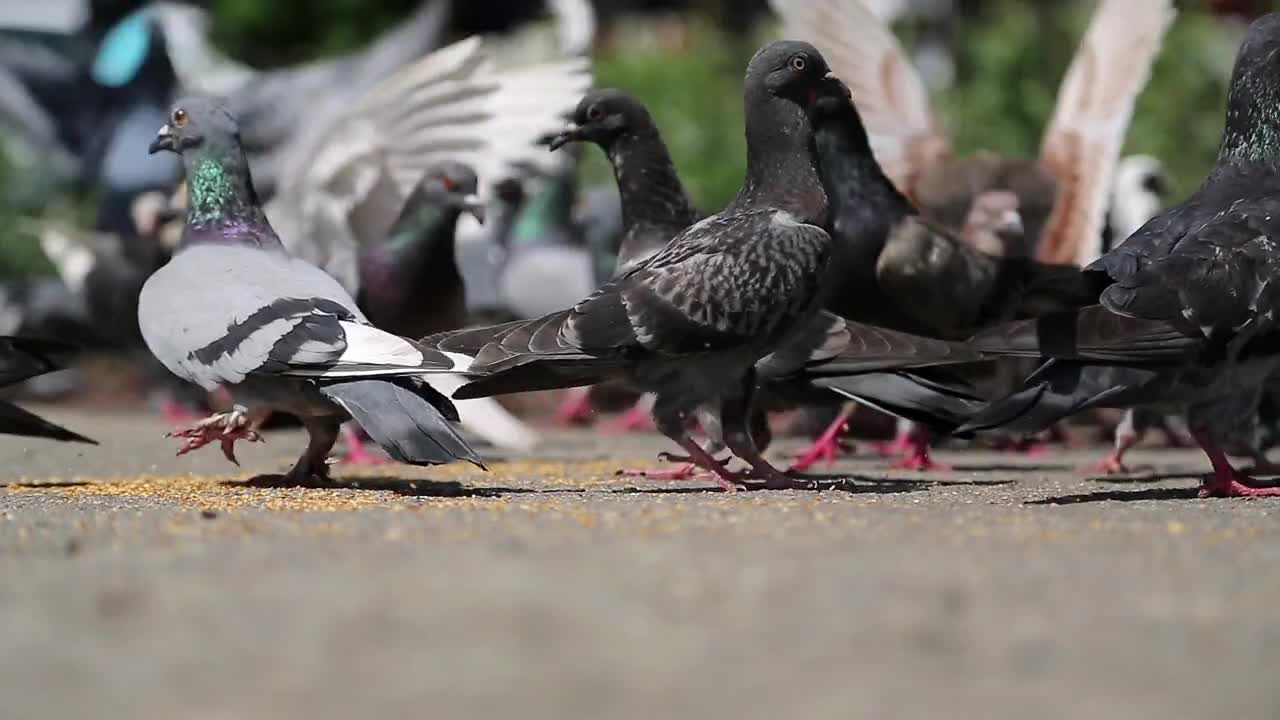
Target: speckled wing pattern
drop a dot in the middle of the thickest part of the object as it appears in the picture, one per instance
(906, 136)
(714, 288)
(1215, 274)
(1082, 143)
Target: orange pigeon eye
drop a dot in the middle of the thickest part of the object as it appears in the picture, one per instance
(179, 117)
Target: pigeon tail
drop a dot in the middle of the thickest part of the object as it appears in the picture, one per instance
(16, 421)
(406, 418)
(488, 419)
(940, 403)
(1060, 389)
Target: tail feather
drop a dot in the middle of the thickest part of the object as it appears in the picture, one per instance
(16, 421)
(939, 403)
(1093, 333)
(486, 418)
(406, 418)
(1060, 389)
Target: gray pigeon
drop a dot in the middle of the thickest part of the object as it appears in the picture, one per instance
(1189, 316)
(231, 308)
(23, 358)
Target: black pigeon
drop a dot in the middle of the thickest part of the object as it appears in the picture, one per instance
(1190, 314)
(23, 358)
(231, 308)
(655, 206)
(893, 268)
(691, 323)
(410, 284)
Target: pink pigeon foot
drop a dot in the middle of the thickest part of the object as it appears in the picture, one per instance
(918, 457)
(576, 408)
(224, 428)
(826, 447)
(1112, 464)
(1225, 480)
(358, 450)
(899, 445)
(637, 418)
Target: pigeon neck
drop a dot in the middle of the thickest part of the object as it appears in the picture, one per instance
(648, 186)
(422, 236)
(781, 169)
(551, 207)
(849, 170)
(1253, 117)
(220, 195)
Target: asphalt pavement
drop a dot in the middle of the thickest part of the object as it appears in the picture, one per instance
(142, 585)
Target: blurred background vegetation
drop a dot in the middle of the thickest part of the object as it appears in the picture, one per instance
(1008, 57)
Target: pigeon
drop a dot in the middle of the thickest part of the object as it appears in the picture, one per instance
(345, 183)
(1189, 314)
(232, 308)
(22, 358)
(1139, 192)
(482, 256)
(411, 285)
(1062, 194)
(655, 205)
(898, 269)
(689, 323)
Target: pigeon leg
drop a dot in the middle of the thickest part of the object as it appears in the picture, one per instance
(358, 452)
(637, 418)
(1127, 434)
(1175, 432)
(1225, 480)
(576, 408)
(735, 416)
(672, 421)
(313, 467)
(918, 456)
(223, 428)
(900, 444)
(828, 444)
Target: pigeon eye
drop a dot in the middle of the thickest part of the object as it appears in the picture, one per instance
(594, 113)
(799, 63)
(448, 183)
(179, 117)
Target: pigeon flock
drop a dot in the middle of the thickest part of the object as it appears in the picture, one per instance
(382, 244)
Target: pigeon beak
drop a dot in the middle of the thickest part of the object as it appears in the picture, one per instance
(835, 86)
(571, 134)
(164, 141)
(474, 206)
(1010, 222)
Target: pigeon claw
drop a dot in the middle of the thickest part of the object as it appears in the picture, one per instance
(826, 448)
(223, 428)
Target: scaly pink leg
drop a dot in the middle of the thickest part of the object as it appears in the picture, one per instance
(826, 447)
(224, 428)
(1113, 464)
(1225, 480)
(357, 451)
(918, 455)
(576, 408)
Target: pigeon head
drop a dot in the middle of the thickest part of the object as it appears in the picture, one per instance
(219, 189)
(198, 123)
(792, 70)
(453, 185)
(603, 116)
(1253, 105)
(509, 191)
